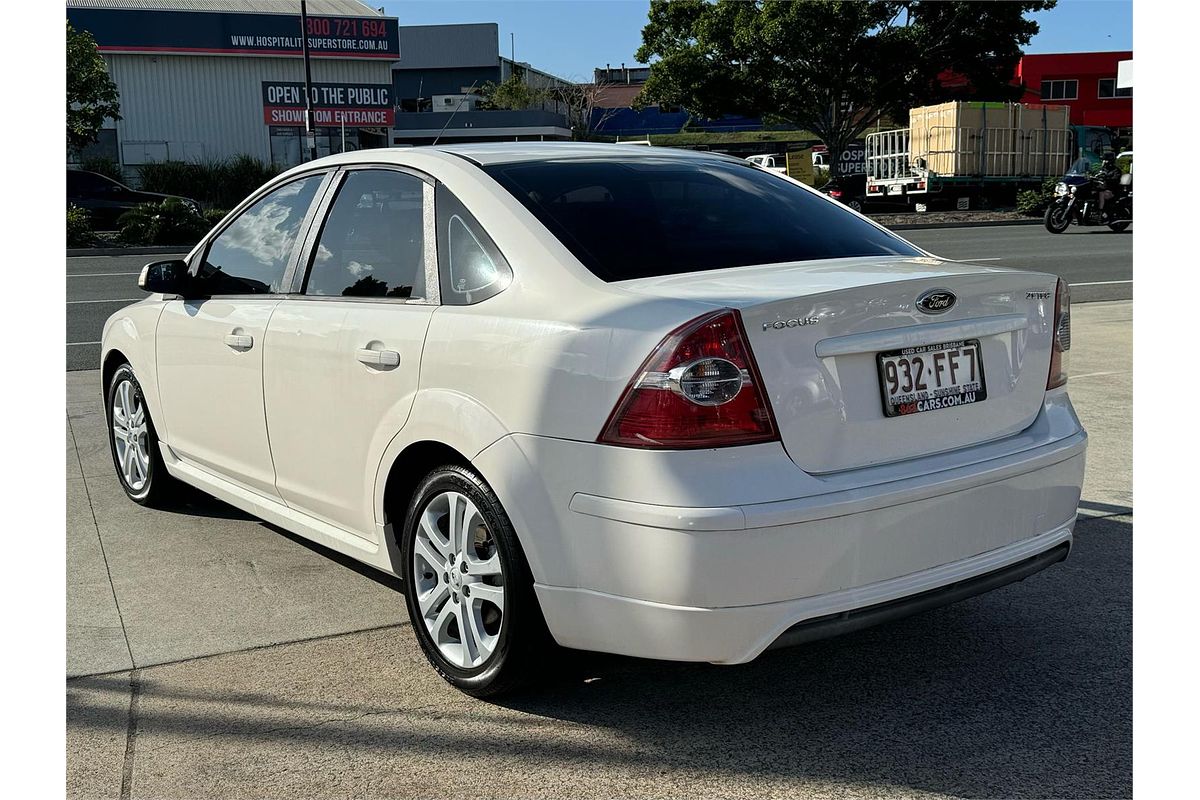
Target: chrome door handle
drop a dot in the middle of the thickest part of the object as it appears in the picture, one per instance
(378, 358)
(239, 341)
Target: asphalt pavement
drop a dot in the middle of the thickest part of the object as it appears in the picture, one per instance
(1097, 262)
(212, 655)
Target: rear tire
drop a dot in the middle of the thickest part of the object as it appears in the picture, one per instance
(1057, 219)
(468, 587)
(1118, 227)
(133, 443)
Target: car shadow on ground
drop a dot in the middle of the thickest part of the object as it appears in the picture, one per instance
(1025, 691)
(194, 502)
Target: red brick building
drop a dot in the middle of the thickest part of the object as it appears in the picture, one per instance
(1087, 82)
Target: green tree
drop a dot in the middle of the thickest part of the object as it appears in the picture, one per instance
(91, 93)
(513, 93)
(828, 66)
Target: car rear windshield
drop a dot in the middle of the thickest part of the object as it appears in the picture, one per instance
(652, 216)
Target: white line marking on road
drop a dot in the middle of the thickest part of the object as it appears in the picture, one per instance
(118, 300)
(72, 344)
(1101, 283)
(101, 274)
(1098, 374)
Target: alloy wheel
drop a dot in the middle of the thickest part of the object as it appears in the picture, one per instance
(130, 433)
(459, 580)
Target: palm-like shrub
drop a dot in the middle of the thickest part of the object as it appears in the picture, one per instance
(170, 222)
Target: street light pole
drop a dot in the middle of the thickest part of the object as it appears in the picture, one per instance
(310, 128)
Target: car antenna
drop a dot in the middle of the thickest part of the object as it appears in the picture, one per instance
(470, 90)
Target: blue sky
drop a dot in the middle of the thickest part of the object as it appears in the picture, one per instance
(570, 37)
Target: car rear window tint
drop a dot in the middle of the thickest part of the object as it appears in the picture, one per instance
(663, 216)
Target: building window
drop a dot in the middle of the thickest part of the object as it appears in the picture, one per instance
(1109, 90)
(1060, 90)
(289, 146)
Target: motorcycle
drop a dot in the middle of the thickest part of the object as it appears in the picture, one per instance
(1077, 201)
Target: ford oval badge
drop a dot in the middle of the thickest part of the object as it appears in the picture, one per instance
(936, 301)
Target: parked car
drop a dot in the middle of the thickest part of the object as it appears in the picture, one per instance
(848, 189)
(769, 162)
(640, 401)
(107, 199)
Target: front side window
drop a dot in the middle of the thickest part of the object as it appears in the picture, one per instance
(251, 255)
(665, 215)
(471, 266)
(373, 241)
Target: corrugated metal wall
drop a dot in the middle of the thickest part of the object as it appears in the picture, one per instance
(203, 107)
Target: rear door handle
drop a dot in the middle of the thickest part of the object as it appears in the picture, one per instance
(378, 358)
(239, 341)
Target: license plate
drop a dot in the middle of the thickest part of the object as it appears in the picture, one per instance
(931, 377)
(895, 190)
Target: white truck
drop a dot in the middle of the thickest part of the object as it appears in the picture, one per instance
(770, 162)
(977, 153)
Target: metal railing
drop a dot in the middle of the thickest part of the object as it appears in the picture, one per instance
(887, 154)
(974, 152)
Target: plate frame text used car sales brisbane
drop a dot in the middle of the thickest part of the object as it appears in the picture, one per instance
(631, 400)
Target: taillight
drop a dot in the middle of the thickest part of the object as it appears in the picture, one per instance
(1062, 335)
(699, 388)
(835, 193)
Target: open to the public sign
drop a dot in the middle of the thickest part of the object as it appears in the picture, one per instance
(931, 377)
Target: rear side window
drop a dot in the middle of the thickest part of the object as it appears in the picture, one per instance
(664, 216)
(471, 266)
(373, 240)
(251, 255)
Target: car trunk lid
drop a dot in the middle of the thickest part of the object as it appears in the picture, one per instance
(816, 329)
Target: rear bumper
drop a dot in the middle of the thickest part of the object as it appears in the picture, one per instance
(595, 621)
(811, 630)
(714, 555)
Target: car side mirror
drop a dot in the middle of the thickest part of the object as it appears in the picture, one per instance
(167, 277)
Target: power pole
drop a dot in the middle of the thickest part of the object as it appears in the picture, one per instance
(310, 127)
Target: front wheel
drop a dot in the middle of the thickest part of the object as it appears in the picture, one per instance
(134, 442)
(1058, 218)
(468, 587)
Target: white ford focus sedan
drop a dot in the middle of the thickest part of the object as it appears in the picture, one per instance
(632, 400)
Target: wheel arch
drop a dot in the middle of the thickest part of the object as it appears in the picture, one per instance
(128, 337)
(111, 360)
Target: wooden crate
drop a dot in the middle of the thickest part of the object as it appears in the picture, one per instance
(962, 138)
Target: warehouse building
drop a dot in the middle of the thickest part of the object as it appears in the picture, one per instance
(210, 79)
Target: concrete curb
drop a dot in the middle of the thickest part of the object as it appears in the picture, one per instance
(999, 223)
(127, 251)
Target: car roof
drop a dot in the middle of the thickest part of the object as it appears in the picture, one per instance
(508, 152)
(488, 153)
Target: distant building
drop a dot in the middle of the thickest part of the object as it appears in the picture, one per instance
(209, 79)
(201, 80)
(437, 81)
(614, 115)
(1087, 82)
